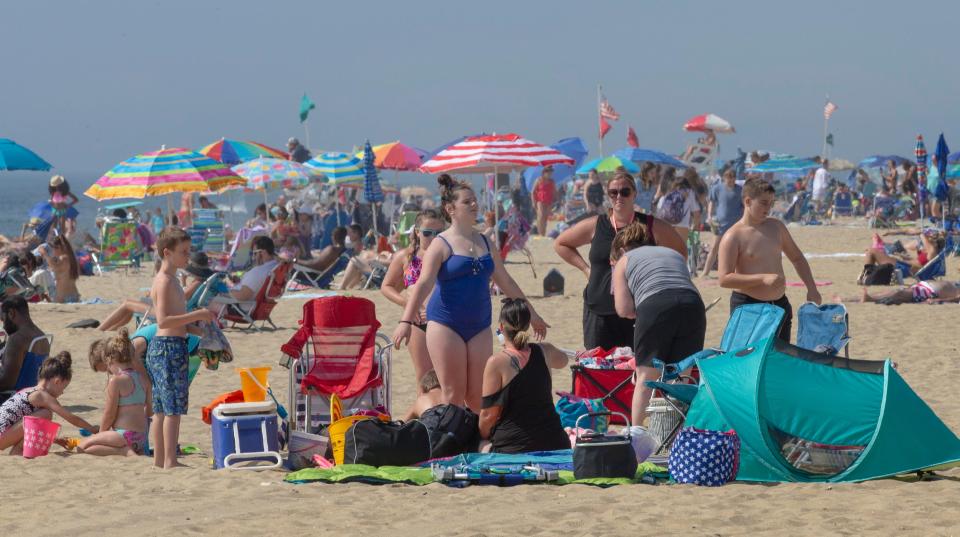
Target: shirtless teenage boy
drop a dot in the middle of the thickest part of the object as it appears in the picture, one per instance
(750, 257)
(167, 357)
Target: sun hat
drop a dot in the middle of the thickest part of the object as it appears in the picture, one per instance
(57, 180)
(199, 266)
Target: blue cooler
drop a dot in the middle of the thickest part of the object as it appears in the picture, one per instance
(245, 433)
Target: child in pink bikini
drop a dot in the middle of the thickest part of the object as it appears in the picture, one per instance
(124, 423)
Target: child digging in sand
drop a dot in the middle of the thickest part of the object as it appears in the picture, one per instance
(167, 356)
(40, 401)
(124, 423)
(750, 257)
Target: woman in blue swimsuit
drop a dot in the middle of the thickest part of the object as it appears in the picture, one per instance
(459, 340)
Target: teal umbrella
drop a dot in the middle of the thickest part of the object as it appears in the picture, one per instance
(608, 164)
(14, 156)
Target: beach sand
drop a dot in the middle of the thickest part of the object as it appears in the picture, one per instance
(69, 494)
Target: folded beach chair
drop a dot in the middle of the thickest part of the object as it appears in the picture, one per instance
(305, 275)
(823, 328)
(375, 277)
(514, 232)
(119, 246)
(241, 256)
(337, 351)
(237, 314)
(30, 368)
(207, 233)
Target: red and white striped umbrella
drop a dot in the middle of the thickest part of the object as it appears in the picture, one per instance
(493, 153)
(708, 122)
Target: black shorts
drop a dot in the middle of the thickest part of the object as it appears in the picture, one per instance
(606, 331)
(739, 299)
(670, 326)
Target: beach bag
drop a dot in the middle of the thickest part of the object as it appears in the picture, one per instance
(672, 208)
(707, 458)
(603, 454)
(875, 274)
(387, 443)
(453, 430)
(214, 347)
(571, 407)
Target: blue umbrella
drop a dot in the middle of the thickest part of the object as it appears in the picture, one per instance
(953, 158)
(942, 152)
(14, 156)
(879, 161)
(42, 210)
(571, 147)
(371, 182)
(794, 165)
(634, 154)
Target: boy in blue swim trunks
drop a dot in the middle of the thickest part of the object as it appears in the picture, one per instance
(167, 357)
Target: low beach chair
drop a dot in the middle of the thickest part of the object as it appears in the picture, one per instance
(336, 351)
(207, 232)
(935, 268)
(234, 312)
(514, 232)
(119, 246)
(321, 279)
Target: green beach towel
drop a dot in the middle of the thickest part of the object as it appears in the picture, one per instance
(350, 473)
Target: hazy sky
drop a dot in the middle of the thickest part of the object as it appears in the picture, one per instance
(90, 83)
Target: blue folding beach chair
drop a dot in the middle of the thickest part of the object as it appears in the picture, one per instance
(823, 328)
(935, 268)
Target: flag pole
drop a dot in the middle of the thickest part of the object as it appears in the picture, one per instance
(599, 117)
(826, 120)
(306, 133)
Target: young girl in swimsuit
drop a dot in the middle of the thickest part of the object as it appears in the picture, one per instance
(39, 401)
(124, 423)
(403, 273)
(459, 313)
(62, 261)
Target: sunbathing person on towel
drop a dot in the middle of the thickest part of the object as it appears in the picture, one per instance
(928, 291)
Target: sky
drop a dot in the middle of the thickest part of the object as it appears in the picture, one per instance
(88, 84)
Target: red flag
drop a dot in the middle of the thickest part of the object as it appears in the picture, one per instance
(632, 140)
(604, 127)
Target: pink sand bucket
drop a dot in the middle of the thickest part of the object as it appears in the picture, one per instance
(38, 434)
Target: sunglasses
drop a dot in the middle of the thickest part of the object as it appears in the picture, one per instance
(624, 192)
(428, 233)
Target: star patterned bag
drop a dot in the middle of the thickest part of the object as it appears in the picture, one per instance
(707, 458)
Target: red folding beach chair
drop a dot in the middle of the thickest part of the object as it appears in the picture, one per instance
(234, 313)
(337, 351)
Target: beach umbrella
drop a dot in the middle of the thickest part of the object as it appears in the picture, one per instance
(395, 156)
(708, 122)
(879, 161)
(264, 173)
(233, 152)
(371, 182)
(14, 156)
(339, 168)
(793, 165)
(163, 172)
(943, 154)
(571, 147)
(634, 154)
(608, 164)
(921, 153)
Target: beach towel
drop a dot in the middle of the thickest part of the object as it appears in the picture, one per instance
(288, 296)
(362, 473)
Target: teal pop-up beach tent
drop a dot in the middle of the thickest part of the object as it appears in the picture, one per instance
(800, 413)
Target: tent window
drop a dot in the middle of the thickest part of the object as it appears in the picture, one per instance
(814, 458)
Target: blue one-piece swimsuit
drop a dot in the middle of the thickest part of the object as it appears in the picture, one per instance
(461, 300)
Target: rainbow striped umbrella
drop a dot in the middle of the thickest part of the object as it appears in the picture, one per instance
(264, 173)
(396, 156)
(340, 168)
(233, 152)
(163, 172)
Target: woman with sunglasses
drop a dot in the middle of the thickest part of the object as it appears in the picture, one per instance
(459, 313)
(404, 271)
(602, 327)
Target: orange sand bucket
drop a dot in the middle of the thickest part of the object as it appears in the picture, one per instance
(39, 433)
(253, 383)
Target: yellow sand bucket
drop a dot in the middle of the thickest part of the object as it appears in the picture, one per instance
(338, 431)
(253, 383)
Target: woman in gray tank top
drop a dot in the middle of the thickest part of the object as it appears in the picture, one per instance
(652, 285)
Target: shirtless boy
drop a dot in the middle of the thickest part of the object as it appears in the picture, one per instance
(750, 257)
(166, 358)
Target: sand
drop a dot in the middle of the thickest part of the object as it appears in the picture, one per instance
(68, 494)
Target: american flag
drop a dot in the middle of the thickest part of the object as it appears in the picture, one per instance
(829, 109)
(607, 111)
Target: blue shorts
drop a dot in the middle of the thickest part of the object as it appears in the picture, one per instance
(168, 366)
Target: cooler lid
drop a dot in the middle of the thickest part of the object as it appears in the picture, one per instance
(233, 409)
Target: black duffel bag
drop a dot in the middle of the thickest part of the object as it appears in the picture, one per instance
(453, 430)
(874, 274)
(390, 443)
(603, 454)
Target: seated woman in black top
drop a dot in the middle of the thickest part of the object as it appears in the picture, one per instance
(518, 413)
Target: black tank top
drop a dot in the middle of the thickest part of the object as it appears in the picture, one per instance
(597, 296)
(528, 420)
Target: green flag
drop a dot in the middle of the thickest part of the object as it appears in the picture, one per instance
(306, 105)
(829, 139)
